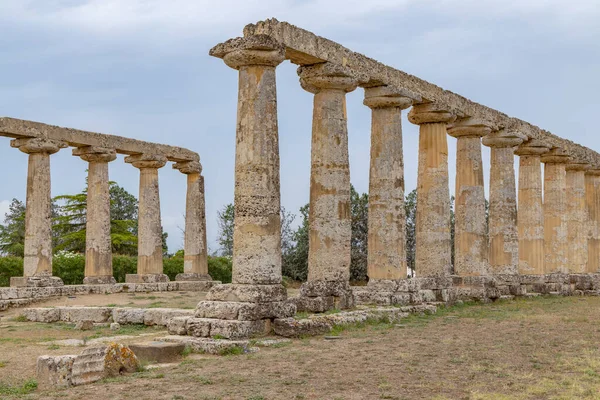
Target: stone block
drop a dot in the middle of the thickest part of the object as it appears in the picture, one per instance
(416, 297)
(8, 293)
(471, 293)
(115, 326)
(126, 316)
(325, 288)
(518, 289)
(207, 345)
(37, 281)
(198, 327)
(313, 304)
(54, 371)
(158, 352)
(400, 299)
(247, 293)
(84, 325)
(220, 309)
(162, 316)
(146, 278)
(290, 327)
(46, 315)
(239, 329)
(99, 280)
(178, 326)
(101, 362)
(428, 295)
(370, 296)
(193, 277)
(383, 285)
(94, 314)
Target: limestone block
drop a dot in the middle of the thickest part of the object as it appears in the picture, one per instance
(324, 288)
(384, 285)
(101, 362)
(416, 297)
(207, 345)
(290, 327)
(471, 293)
(400, 299)
(199, 327)
(94, 314)
(239, 329)
(8, 293)
(157, 352)
(369, 296)
(146, 278)
(161, 316)
(178, 326)
(54, 371)
(41, 314)
(257, 311)
(247, 293)
(313, 304)
(115, 326)
(192, 276)
(219, 309)
(127, 316)
(518, 290)
(84, 325)
(428, 295)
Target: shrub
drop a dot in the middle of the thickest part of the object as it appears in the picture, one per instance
(10, 266)
(69, 266)
(123, 265)
(220, 268)
(173, 266)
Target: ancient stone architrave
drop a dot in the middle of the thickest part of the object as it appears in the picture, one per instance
(577, 233)
(503, 235)
(38, 222)
(195, 266)
(150, 250)
(329, 219)
(530, 218)
(470, 232)
(387, 218)
(433, 252)
(592, 202)
(98, 245)
(555, 211)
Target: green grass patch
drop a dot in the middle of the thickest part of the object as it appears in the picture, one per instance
(232, 351)
(20, 318)
(53, 347)
(26, 388)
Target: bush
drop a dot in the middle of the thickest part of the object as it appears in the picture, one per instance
(69, 266)
(173, 266)
(220, 268)
(10, 266)
(123, 265)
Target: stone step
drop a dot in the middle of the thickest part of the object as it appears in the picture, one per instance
(244, 311)
(221, 328)
(158, 352)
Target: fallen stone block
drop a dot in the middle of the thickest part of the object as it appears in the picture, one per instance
(46, 315)
(162, 316)
(290, 327)
(158, 352)
(115, 326)
(208, 345)
(84, 325)
(94, 314)
(55, 371)
(178, 326)
(101, 362)
(239, 329)
(127, 316)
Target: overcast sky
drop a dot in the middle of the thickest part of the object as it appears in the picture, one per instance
(140, 69)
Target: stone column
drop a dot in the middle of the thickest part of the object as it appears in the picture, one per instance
(470, 225)
(592, 202)
(503, 234)
(98, 244)
(577, 232)
(387, 218)
(37, 263)
(555, 211)
(195, 266)
(530, 218)
(329, 218)
(433, 252)
(150, 250)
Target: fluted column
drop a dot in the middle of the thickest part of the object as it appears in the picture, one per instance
(530, 217)
(503, 234)
(555, 211)
(592, 202)
(37, 261)
(329, 218)
(195, 265)
(577, 234)
(257, 232)
(387, 218)
(470, 225)
(98, 244)
(150, 250)
(433, 252)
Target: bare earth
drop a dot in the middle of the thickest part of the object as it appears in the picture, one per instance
(546, 348)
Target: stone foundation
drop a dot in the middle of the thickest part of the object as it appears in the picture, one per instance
(99, 280)
(41, 280)
(191, 276)
(146, 278)
(321, 296)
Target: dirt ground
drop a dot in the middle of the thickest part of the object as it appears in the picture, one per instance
(545, 348)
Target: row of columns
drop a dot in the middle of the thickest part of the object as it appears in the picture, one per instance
(98, 260)
(532, 242)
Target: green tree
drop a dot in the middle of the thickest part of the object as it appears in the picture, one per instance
(359, 212)
(295, 260)
(226, 225)
(12, 233)
(410, 208)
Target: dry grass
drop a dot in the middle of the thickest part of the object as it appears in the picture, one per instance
(544, 348)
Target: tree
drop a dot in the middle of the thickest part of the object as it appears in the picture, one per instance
(12, 233)
(359, 212)
(295, 260)
(287, 234)
(452, 230)
(226, 225)
(410, 208)
(124, 221)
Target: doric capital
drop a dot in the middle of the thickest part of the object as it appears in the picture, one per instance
(469, 127)
(188, 167)
(37, 145)
(556, 156)
(429, 113)
(251, 50)
(314, 78)
(532, 147)
(95, 154)
(146, 160)
(504, 138)
(577, 166)
(387, 96)
(594, 170)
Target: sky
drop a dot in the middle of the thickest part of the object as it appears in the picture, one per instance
(141, 69)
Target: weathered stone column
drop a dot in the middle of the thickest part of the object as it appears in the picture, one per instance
(37, 263)
(530, 217)
(504, 240)
(470, 225)
(98, 244)
(577, 229)
(246, 307)
(592, 202)
(555, 211)
(195, 265)
(329, 218)
(433, 252)
(387, 218)
(150, 250)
